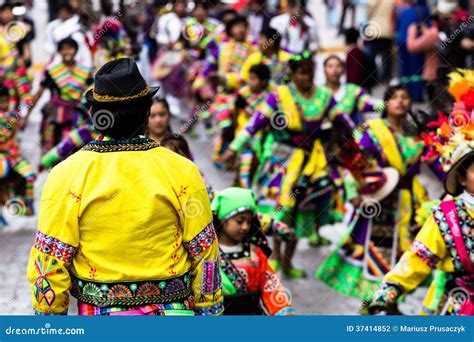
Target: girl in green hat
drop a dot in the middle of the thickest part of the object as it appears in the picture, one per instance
(251, 286)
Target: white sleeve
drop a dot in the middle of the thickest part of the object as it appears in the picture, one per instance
(312, 34)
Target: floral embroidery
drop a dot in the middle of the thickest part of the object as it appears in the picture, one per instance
(137, 144)
(175, 257)
(54, 247)
(465, 222)
(202, 241)
(271, 282)
(424, 253)
(211, 277)
(76, 197)
(131, 293)
(210, 310)
(183, 191)
(387, 294)
(42, 287)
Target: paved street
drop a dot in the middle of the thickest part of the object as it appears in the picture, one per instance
(308, 296)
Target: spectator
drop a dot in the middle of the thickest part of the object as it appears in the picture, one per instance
(259, 18)
(426, 42)
(67, 25)
(170, 25)
(380, 15)
(297, 28)
(411, 64)
(359, 70)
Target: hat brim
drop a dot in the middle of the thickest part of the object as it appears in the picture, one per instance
(451, 183)
(151, 93)
(392, 181)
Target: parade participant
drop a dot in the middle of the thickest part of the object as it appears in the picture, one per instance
(13, 71)
(17, 175)
(200, 29)
(67, 25)
(67, 80)
(445, 240)
(250, 285)
(170, 25)
(379, 229)
(351, 98)
(297, 28)
(111, 41)
(83, 133)
(172, 264)
(232, 116)
(224, 61)
(159, 120)
(259, 18)
(354, 101)
(294, 114)
(271, 55)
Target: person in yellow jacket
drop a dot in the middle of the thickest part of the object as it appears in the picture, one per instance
(445, 241)
(125, 225)
(270, 54)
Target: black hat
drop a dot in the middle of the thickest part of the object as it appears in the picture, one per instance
(119, 82)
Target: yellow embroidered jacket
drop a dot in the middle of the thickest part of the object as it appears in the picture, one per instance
(434, 247)
(124, 224)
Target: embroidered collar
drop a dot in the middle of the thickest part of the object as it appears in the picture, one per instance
(134, 144)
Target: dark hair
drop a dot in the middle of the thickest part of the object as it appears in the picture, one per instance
(162, 102)
(302, 63)
(177, 143)
(339, 59)
(226, 13)
(234, 21)
(271, 33)
(65, 6)
(261, 71)
(4, 91)
(6, 6)
(203, 4)
(462, 170)
(121, 121)
(255, 235)
(351, 35)
(390, 92)
(67, 42)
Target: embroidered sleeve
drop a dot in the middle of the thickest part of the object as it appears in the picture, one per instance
(200, 241)
(386, 296)
(71, 143)
(427, 252)
(258, 121)
(276, 299)
(54, 247)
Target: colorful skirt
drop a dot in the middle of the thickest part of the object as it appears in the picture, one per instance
(369, 249)
(184, 308)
